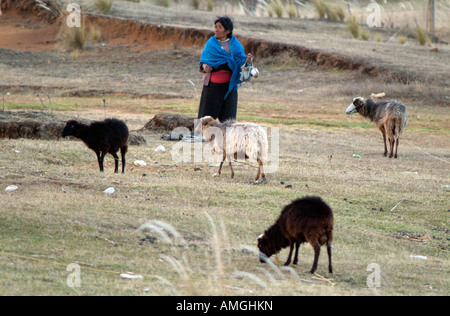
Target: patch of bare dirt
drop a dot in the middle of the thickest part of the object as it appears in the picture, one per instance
(147, 57)
(33, 35)
(24, 31)
(49, 14)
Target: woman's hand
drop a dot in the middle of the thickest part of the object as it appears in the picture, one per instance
(249, 58)
(206, 68)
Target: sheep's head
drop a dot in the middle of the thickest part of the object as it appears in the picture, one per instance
(202, 128)
(266, 247)
(71, 128)
(357, 103)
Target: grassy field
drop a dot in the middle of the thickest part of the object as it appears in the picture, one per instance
(60, 215)
(202, 241)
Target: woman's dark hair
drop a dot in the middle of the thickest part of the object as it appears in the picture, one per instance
(226, 23)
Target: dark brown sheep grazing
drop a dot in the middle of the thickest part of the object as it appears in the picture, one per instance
(102, 137)
(305, 220)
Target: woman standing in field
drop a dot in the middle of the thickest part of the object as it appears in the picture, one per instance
(220, 63)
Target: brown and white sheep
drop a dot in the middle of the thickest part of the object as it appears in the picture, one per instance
(308, 219)
(389, 116)
(238, 141)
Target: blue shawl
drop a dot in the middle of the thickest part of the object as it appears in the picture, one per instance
(214, 55)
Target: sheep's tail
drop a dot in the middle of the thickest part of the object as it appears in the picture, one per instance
(399, 125)
(403, 122)
(400, 121)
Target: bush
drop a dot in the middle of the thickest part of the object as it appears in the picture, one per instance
(354, 27)
(422, 36)
(291, 10)
(164, 3)
(73, 38)
(103, 6)
(321, 8)
(402, 39)
(210, 5)
(196, 4)
(365, 35)
(276, 7)
(331, 10)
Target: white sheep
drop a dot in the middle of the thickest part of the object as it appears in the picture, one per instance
(241, 141)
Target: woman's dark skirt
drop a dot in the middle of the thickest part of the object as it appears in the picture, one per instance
(212, 102)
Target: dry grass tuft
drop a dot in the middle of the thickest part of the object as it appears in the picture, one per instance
(72, 38)
(330, 10)
(354, 27)
(422, 36)
(104, 6)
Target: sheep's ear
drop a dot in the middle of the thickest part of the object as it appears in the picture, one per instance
(208, 121)
(359, 101)
(205, 120)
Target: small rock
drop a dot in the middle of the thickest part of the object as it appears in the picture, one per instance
(160, 149)
(11, 188)
(110, 190)
(140, 163)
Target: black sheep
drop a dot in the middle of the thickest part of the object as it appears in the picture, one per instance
(102, 137)
(305, 220)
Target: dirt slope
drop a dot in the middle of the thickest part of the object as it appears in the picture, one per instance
(308, 40)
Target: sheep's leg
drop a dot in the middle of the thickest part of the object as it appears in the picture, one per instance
(100, 158)
(220, 169)
(258, 173)
(297, 247)
(385, 144)
(261, 171)
(231, 168)
(103, 160)
(288, 262)
(116, 161)
(391, 145)
(219, 172)
(396, 148)
(123, 151)
(316, 257)
(330, 266)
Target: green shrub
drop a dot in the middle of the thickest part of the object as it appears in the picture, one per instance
(104, 6)
(196, 4)
(422, 36)
(276, 7)
(365, 35)
(402, 39)
(210, 5)
(354, 27)
(291, 10)
(164, 3)
(321, 8)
